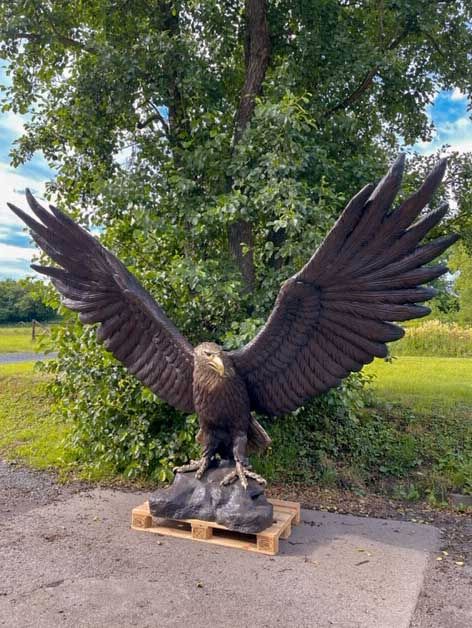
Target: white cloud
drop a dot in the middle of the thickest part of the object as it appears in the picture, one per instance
(14, 259)
(456, 135)
(12, 190)
(458, 95)
(461, 146)
(11, 253)
(463, 123)
(15, 271)
(13, 122)
(456, 128)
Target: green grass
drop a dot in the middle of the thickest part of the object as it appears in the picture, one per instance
(415, 442)
(27, 431)
(14, 339)
(425, 384)
(428, 404)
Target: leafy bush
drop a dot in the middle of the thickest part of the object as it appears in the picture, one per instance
(305, 442)
(117, 425)
(461, 263)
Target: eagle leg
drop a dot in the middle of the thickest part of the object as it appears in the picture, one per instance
(242, 470)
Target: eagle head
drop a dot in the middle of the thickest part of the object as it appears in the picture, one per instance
(209, 355)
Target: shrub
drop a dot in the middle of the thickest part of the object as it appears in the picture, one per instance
(368, 442)
(118, 425)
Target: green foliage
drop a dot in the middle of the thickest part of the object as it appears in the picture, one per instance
(461, 263)
(439, 395)
(119, 426)
(306, 439)
(19, 301)
(134, 104)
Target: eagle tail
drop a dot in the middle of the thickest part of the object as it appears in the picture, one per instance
(257, 438)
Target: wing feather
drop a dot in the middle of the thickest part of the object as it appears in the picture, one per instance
(337, 313)
(94, 283)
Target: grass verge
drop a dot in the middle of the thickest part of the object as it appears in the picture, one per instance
(425, 384)
(27, 431)
(15, 339)
(435, 338)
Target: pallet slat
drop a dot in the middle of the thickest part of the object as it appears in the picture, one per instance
(286, 515)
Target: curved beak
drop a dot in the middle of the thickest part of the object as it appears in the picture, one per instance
(217, 365)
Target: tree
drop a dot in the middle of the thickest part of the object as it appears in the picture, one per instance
(20, 302)
(214, 143)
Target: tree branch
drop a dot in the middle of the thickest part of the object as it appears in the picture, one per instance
(68, 42)
(257, 53)
(366, 82)
(434, 43)
(64, 39)
(152, 118)
(357, 93)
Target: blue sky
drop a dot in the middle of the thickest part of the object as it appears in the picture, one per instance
(15, 245)
(448, 112)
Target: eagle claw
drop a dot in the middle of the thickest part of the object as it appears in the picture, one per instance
(240, 472)
(200, 466)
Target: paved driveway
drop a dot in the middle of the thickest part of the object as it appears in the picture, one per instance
(69, 558)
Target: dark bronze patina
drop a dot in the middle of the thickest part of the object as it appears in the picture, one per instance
(329, 319)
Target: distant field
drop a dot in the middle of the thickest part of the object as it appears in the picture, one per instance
(435, 338)
(425, 383)
(18, 338)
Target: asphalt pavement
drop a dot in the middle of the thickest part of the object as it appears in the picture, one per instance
(69, 558)
(24, 356)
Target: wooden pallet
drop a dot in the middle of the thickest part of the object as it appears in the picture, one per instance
(286, 514)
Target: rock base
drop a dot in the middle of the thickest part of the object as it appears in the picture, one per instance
(238, 509)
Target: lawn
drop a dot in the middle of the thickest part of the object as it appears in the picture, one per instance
(14, 339)
(419, 437)
(428, 404)
(425, 384)
(27, 431)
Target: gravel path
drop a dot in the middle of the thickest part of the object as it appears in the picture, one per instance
(23, 489)
(25, 356)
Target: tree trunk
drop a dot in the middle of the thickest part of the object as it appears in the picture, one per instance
(257, 53)
(177, 118)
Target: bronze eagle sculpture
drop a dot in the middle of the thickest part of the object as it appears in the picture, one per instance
(331, 318)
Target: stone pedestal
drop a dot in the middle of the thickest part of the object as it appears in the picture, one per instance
(238, 509)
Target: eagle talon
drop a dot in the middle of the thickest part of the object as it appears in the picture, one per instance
(200, 466)
(240, 472)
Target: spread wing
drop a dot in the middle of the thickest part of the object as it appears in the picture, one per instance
(335, 315)
(96, 284)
